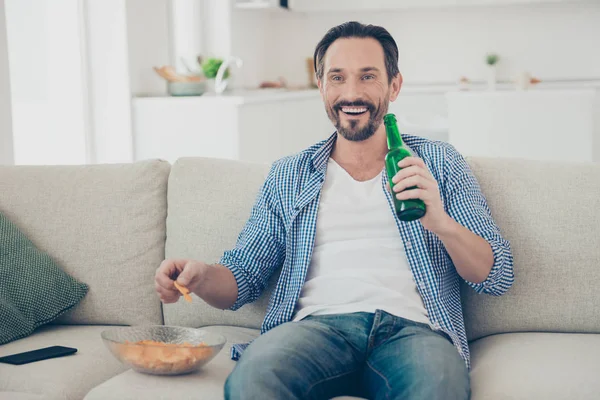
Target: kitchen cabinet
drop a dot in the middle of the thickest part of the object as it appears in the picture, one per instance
(550, 125)
(260, 4)
(509, 2)
(253, 126)
(378, 5)
(360, 5)
(260, 125)
(422, 114)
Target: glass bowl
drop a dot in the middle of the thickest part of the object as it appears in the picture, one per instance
(186, 88)
(163, 350)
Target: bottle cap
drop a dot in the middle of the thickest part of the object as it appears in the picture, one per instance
(389, 119)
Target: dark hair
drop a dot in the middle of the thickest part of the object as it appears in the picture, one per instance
(355, 29)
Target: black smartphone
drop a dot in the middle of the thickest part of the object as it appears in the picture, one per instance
(38, 355)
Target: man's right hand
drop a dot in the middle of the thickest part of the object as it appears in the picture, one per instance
(188, 273)
(215, 284)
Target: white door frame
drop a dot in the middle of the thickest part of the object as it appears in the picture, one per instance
(109, 137)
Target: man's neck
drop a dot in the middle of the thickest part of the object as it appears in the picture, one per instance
(361, 154)
(363, 160)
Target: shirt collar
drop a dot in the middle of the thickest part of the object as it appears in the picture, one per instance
(321, 155)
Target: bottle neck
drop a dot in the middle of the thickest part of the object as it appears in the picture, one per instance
(394, 140)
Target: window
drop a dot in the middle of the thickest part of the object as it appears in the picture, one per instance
(47, 81)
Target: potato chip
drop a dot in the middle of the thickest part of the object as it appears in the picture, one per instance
(163, 357)
(184, 291)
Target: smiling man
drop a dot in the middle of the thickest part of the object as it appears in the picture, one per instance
(365, 304)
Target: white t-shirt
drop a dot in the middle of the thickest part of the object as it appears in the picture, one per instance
(358, 262)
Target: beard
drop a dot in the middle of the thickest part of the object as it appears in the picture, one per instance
(353, 131)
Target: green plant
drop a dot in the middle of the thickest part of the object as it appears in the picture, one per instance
(492, 59)
(211, 66)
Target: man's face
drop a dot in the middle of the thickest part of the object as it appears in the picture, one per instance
(355, 87)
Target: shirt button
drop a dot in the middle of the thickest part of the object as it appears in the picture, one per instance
(408, 245)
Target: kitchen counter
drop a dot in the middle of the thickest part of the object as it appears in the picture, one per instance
(261, 125)
(550, 124)
(236, 97)
(248, 96)
(249, 125)
(478, 87)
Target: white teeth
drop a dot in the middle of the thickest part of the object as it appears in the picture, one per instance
(352, 110)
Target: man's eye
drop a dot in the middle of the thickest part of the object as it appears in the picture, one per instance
(336, 78)
(368, 77)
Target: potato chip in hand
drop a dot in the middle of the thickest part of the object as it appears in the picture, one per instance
(184, 291)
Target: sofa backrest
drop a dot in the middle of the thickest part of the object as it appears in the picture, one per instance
(103, 224)
(550, 212)
(209, 203)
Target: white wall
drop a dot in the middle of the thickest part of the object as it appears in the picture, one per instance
(552, 41)
(250, 41)
(217, 22)
(203, 28)
(207, 27)
(148, 44)
(6, 139)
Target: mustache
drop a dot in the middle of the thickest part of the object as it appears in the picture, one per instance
(357, 103)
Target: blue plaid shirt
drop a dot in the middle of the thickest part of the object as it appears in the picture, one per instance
(281, 229)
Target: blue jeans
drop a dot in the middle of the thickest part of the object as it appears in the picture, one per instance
(375, 356)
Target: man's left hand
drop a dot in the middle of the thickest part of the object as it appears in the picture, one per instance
(414, 172)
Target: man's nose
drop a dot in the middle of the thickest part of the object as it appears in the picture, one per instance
(353, 91)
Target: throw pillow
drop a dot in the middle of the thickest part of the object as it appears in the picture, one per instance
(34, 290)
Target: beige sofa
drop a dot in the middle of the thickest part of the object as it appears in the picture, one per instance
(111, 225)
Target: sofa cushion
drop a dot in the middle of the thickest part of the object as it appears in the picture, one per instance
(206, 384)
(524, 366)
(63, 378)
(103, 224)
(34, 290)
(549, 211)
(209, 203)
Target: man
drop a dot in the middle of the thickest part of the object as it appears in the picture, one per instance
(365, 304)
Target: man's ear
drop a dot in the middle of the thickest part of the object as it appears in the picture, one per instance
(395, 86)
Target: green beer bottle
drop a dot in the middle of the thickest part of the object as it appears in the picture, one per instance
(407, 210)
